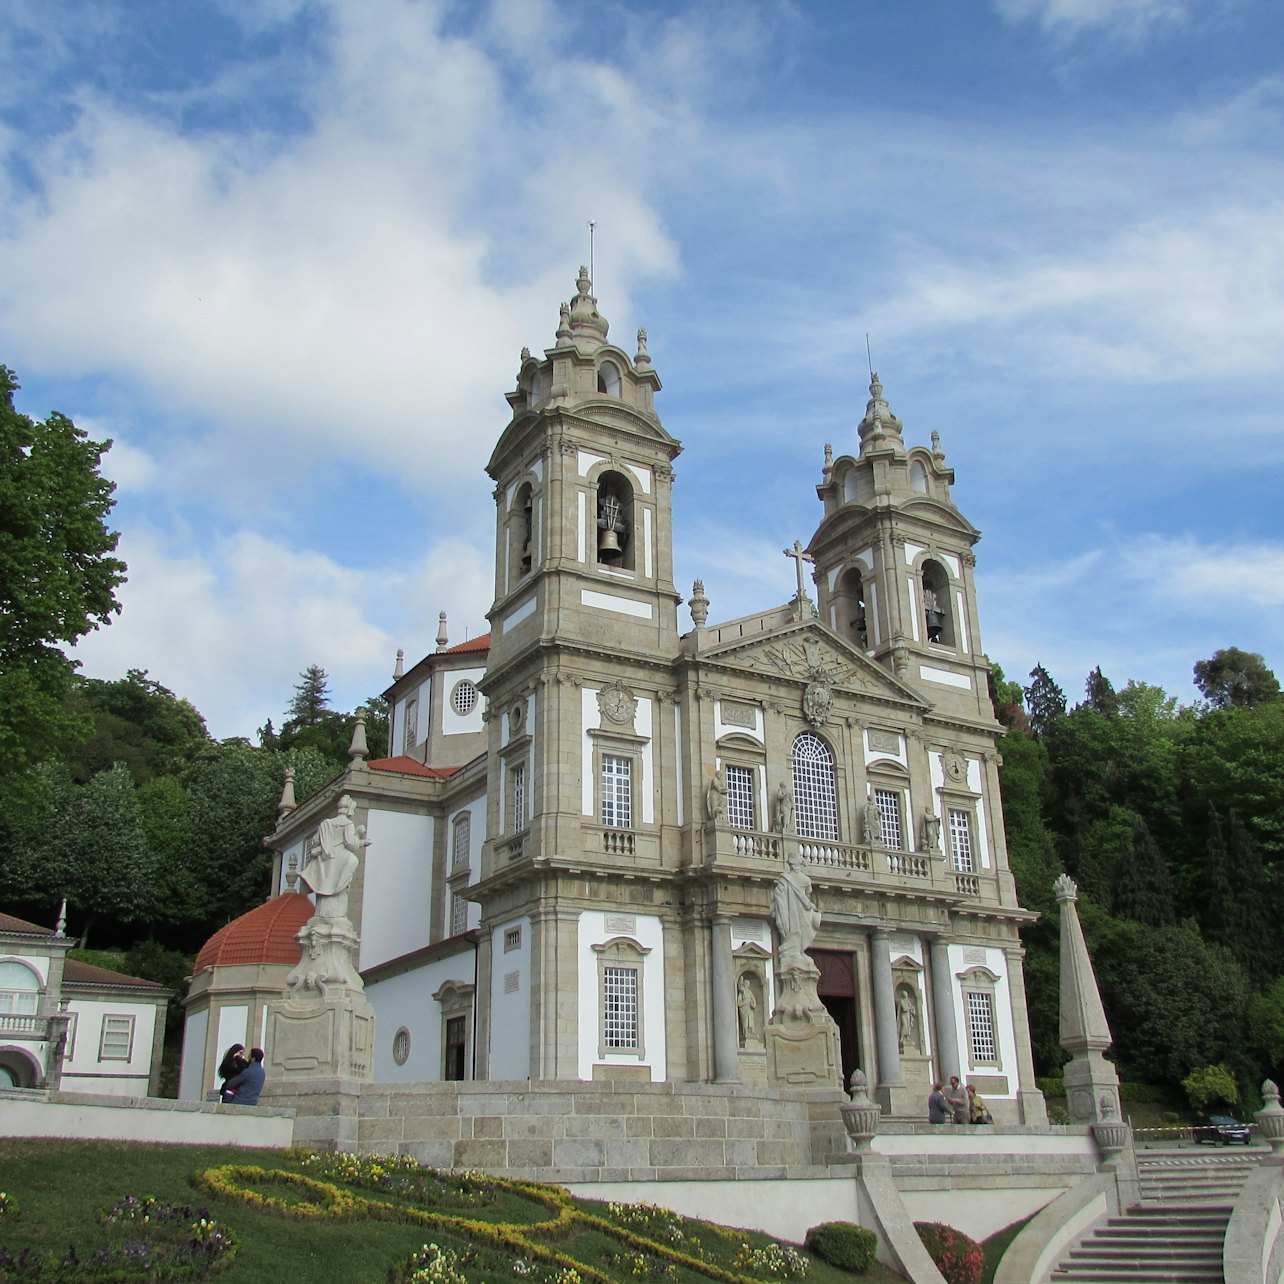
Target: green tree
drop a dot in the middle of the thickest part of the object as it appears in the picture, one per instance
(58, 579)
(1100, 693)
(1211, 1086)
(180, 900)
(1236, 678)
(1044, 701)
(311, 702)
(1143, 888)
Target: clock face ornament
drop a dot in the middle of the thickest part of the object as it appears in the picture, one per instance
(618, 704)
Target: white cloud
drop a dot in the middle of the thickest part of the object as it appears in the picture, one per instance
(1207, 578)
(1123, 18)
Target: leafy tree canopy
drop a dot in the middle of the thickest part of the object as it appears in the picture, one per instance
(58, 578)
(311, 700)
(1235, 677)
(1044, 701)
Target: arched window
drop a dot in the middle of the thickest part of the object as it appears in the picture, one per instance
(19, 989)
(615, 525)
(851, 486)
(521, 534)
(608, 379)
(815, 795)
(918, 477)
(936, 604)
(851, 620)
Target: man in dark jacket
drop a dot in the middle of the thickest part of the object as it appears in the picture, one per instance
(243, 1089)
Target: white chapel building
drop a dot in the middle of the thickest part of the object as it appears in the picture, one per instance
(574, 843)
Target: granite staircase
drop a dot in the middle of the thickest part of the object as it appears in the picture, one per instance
(1174, 1233)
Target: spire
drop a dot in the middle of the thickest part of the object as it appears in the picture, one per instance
(60, 929)
(588, 326)
(879, 428)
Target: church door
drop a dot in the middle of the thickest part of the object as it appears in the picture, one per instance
(837, 991)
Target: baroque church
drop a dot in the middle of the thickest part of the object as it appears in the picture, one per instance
(585, 858)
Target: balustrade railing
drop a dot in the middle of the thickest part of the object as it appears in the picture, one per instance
(834, 855)
(14, 1025)
(909, 865)
(618, 842)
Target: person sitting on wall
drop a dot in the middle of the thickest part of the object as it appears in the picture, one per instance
(243, 1089)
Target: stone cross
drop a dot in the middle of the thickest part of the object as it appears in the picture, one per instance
(800, 555)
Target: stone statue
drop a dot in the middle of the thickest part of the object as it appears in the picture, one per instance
(784, 808)
(794, 914)
(715, 797)
(332, 860)
(746, 1006)
(872, 821)
(906, 1018)
(931, 830)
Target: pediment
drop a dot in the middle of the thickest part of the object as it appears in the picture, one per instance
(809, 653)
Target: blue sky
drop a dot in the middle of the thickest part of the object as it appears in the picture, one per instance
(286, 255)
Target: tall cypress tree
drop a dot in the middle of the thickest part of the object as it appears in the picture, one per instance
(1044, 701)
(1143, 886)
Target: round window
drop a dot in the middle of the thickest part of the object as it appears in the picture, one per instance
(401, 1046)
(464, 697)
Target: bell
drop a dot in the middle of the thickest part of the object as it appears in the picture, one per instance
(608, 546)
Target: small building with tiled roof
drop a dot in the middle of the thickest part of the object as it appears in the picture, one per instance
(74, 1025)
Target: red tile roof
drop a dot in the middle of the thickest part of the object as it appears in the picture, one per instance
(77, 973)
(9, 923)
(408, 766)
(473, 644)
(265, 935)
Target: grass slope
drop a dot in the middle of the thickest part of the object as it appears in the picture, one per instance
(60, 1184)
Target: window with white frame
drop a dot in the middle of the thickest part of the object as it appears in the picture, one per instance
(888, 802)
(617, 792)
(980, 1021)
(117, 1040)
(19, 990)
(461, 838)
(517, 797)
(961, 840)
(458, 914)
(740, 798)
(815, 792)
(620, 1009)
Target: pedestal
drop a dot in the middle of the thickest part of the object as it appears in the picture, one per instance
(1092, 1089)
(801, 1037)
(322, 1038)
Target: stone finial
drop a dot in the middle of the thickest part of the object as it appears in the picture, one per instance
(443, 638)
(879, 426)
(287, 803)
(643, 357)
(699, 605)
(358, 749)
(399, 669)
(1065, 888)
(828, 469)
(564, 322)
(526, 355)
(937, 452)
(1270, 1119)
(861, 1113)
(60, 928)
(587, 323)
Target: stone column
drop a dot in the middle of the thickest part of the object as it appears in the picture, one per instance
(946, 1028)
(1030, 1100)
(885, 1040)
(726, 1052)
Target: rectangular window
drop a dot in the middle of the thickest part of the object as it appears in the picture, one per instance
(617, 792)
(517, 790)
(889, 812)
(980, 1011)
(411, 736)
(456, 1047)
(740, 798)
(117, 1041)
(512, 939)
(961, 840)
(461, 840)
(458, 914)
(620, 994)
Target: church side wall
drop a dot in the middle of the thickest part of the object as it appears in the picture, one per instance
(510, 1000)
(406, 1002)
(397, 891)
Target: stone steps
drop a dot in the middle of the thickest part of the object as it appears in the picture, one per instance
(1175, 1235)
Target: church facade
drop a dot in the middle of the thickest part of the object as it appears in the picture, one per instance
(576, 851)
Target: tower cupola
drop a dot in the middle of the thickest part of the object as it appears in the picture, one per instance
(880, 429)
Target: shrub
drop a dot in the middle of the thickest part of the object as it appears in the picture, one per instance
(1211, 1086)
(957, 1256)
(843, 1244)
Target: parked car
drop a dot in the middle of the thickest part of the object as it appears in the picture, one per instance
(1222, 1130)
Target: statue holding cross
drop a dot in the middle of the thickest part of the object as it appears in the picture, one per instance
(800, 555)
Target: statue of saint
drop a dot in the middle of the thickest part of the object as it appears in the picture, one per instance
(715, 797)
(931, 830)
(746, 1005)
(784, 809)
(872, 821)
(794, 913)
(332, 860)
(906, 1018)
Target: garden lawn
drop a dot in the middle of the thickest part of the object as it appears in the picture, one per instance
(364, 1220)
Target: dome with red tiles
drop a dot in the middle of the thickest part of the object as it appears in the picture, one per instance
(267, 934)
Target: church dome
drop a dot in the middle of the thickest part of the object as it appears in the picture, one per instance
(267, 934)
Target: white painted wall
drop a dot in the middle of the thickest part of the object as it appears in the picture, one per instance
(85, 1071)
(398, 886)
(191, 1075)
(457, 724)
(1004, 1033)
(650, 935)
(406, 1001)
(510, 1004)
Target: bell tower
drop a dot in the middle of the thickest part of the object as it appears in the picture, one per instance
(894, 562)
(583, 499)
